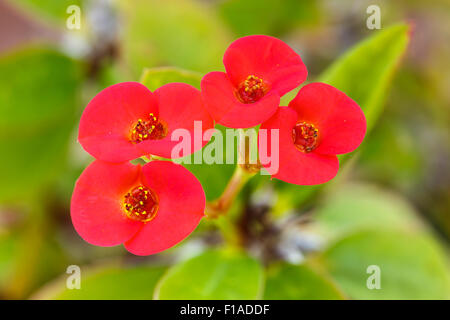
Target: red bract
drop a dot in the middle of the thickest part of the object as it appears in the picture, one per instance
(127, 121)
(149, 208)
(259, 70)
(318, 124)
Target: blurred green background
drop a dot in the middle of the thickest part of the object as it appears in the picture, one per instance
(389, 205)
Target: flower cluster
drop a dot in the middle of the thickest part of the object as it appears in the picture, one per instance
(318, 124)
(149, 208)
(153, 207)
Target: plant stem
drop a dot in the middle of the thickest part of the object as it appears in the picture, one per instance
(220, 206)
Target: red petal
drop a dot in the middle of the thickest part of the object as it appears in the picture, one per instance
(265, 57)
(341, 122)
(181, 207)
(226, 109)
(179, 106)
(96, 207)
(106, 122)
(294, 165)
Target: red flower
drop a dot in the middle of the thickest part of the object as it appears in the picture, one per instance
(127, 121)
(259, 70)
(149, 208)
(318, 124)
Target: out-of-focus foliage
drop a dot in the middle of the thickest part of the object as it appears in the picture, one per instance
(355, 207)
(291, 282)
(40, 91)
(157, 77)
(7, 248)
(26, 101)
(213, 275)
(180, 33)
(367, 226)
(112, 283)
(402, 167)
(25, 252)
(267, 16)
(411, 265)
(50, 9)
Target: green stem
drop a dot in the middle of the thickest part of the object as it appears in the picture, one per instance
(221, 206)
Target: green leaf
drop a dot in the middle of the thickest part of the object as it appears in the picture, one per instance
(182, 33)
(357, 206)
(156, 77)
(112, 283)
(213, 275)
(364, 73)
(412, 266)
(291, 282)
